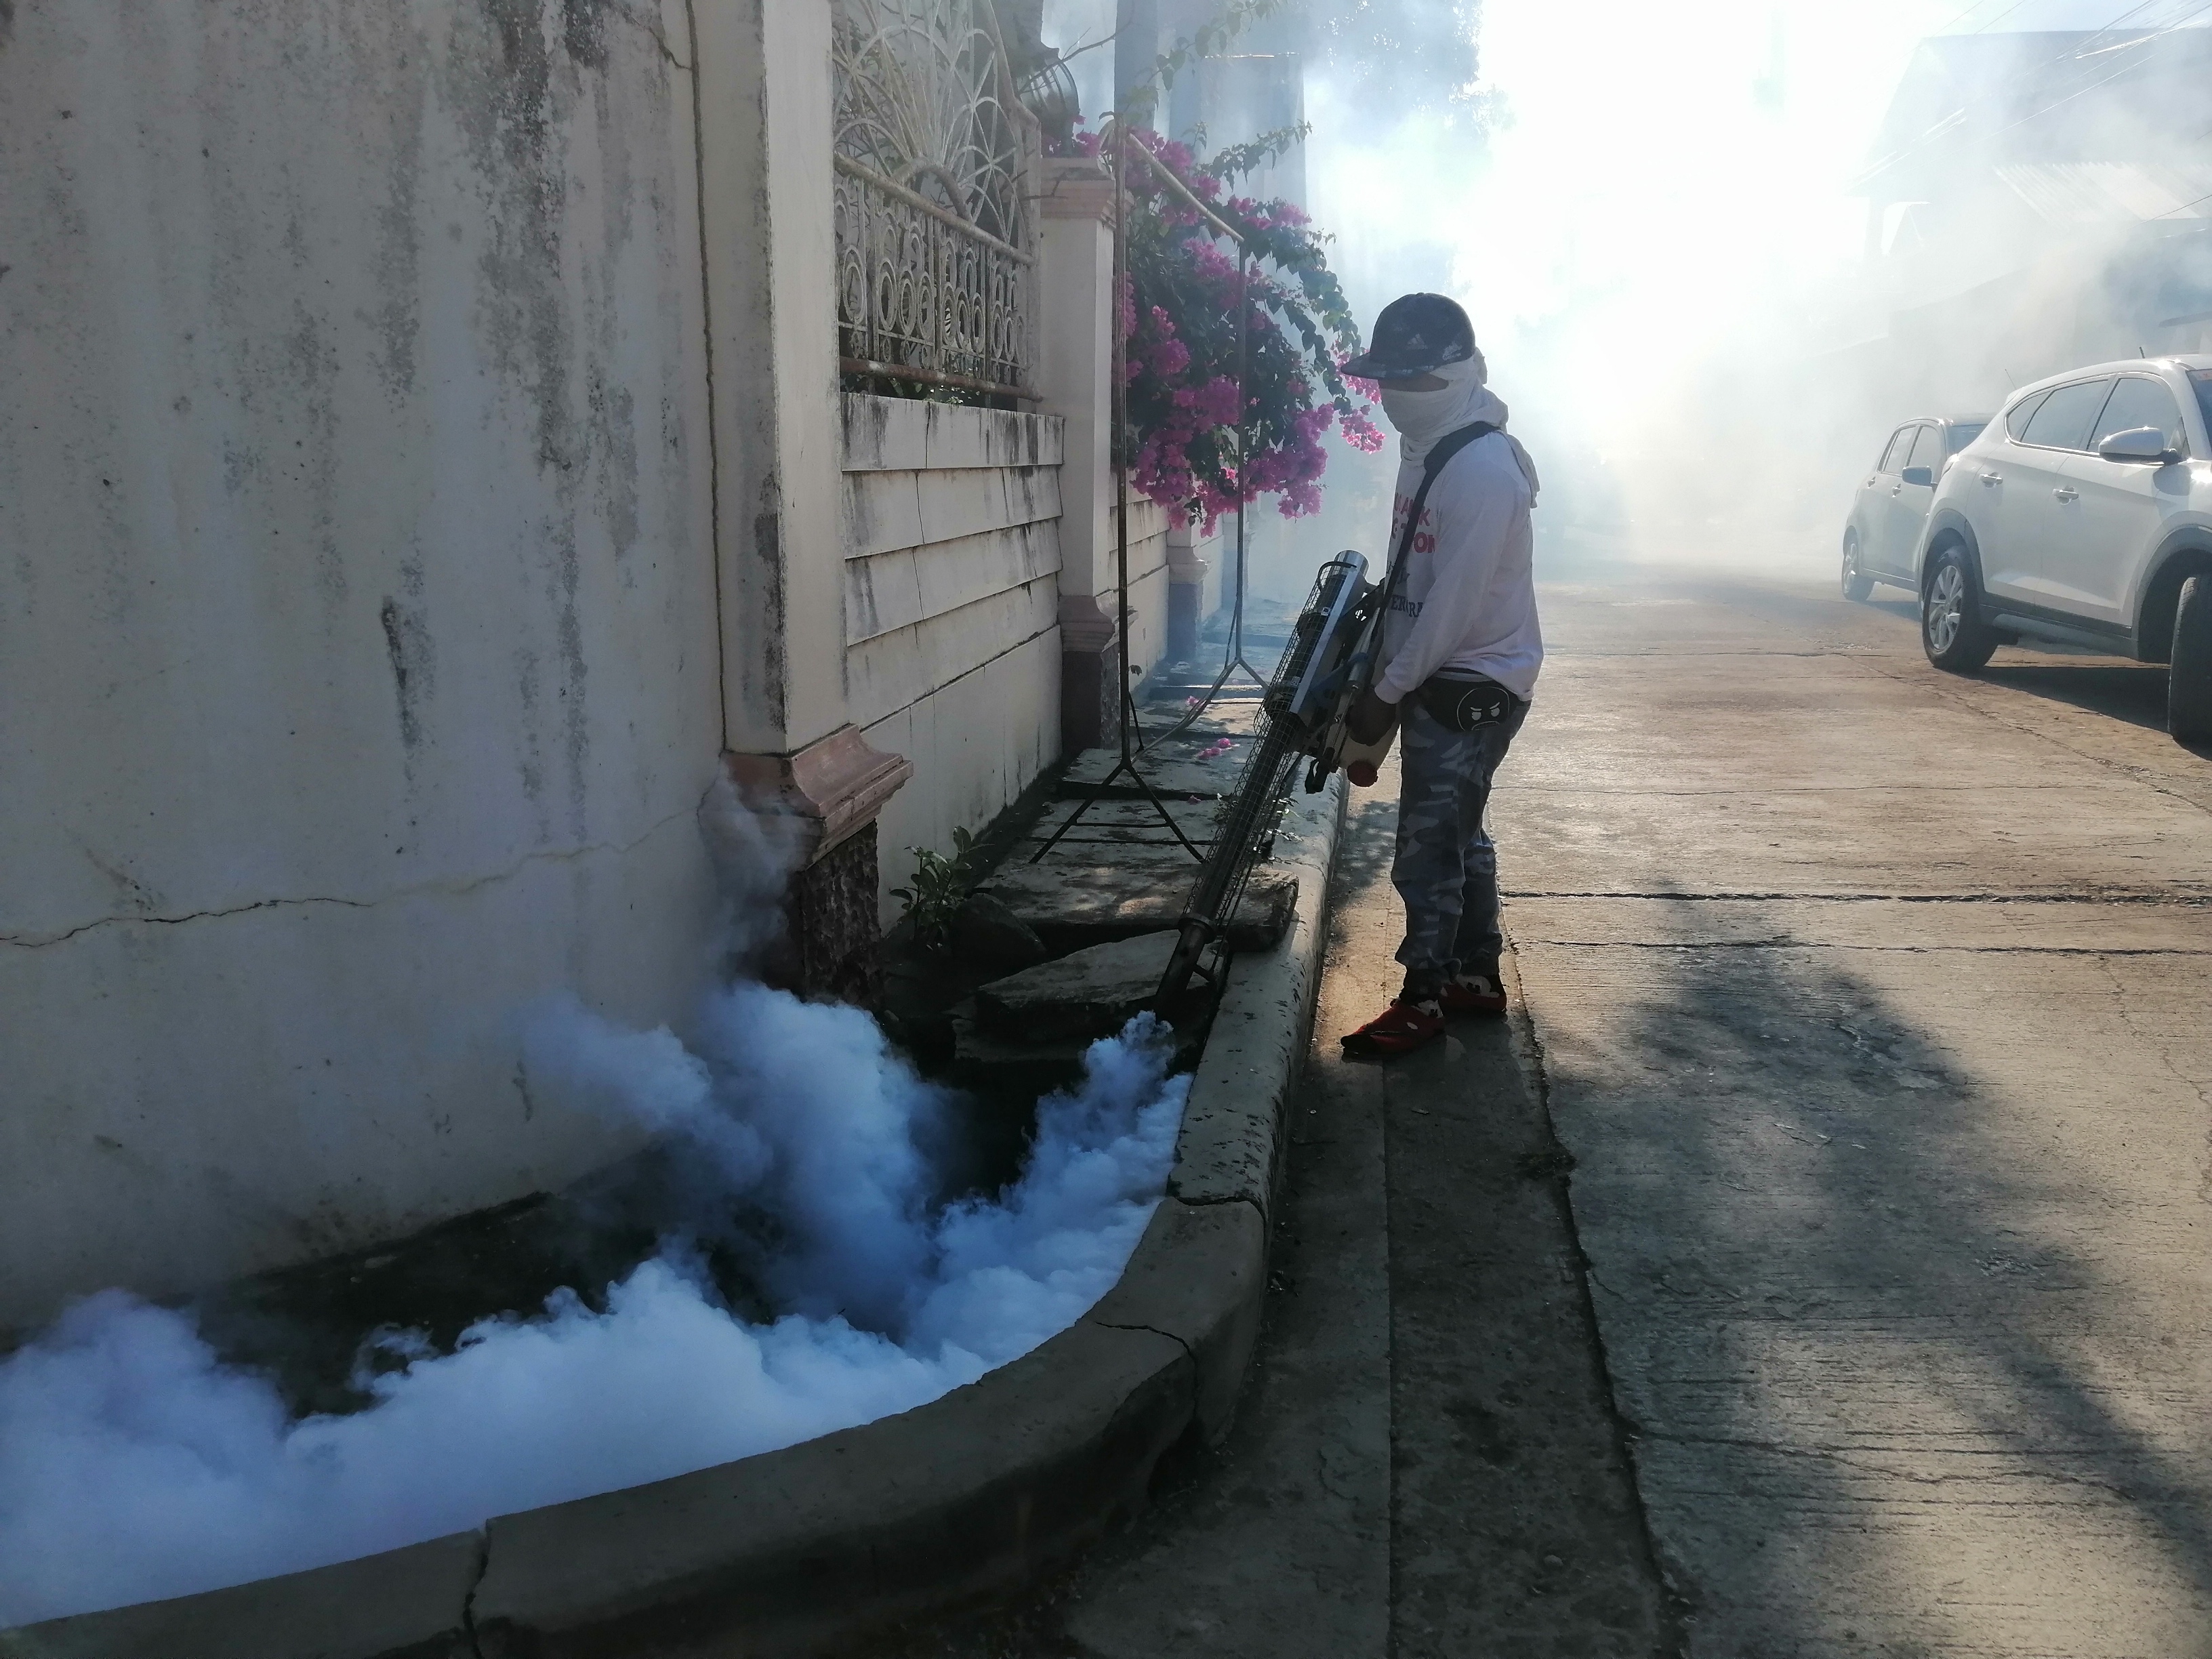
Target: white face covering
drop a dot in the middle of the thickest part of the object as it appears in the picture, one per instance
(1422, 417)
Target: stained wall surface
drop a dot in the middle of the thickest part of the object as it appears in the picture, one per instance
(359, 669)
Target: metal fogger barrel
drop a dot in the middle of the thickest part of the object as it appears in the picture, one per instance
(1327, 665)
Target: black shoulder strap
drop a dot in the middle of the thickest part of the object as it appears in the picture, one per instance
(1439, 453)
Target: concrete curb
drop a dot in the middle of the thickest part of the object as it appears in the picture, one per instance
(788, 1551)
(409, 1604)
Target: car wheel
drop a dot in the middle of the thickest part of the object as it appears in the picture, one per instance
(1952, 630)
(1856, 584)
(2189, 680)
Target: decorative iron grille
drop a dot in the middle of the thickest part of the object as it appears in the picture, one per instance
(936, 267)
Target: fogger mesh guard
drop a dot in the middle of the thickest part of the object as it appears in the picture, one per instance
(1304, 698)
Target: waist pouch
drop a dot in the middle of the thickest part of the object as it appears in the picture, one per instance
(1467, 705)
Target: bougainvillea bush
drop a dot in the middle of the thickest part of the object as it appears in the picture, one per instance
(1179, 312)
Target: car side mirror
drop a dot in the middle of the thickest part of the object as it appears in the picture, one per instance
(2144, 446)
(1922, 475)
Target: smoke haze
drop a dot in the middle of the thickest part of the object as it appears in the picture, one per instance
(1665, 243)
(135, 1465)
(1704, 317)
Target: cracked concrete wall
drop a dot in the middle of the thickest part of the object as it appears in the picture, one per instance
(359, 667)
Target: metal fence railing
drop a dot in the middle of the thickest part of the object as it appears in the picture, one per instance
(936, 255)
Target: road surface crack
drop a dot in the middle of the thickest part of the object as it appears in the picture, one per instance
(1782, 942)
(2179, 898)
(1677, 1603)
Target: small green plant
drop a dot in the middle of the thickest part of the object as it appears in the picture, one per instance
(939, 886)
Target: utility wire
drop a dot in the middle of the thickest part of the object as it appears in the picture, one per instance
(1985, 27)
(2183, 208)
(2076, 52)
(1958, 17)
(2082, 92)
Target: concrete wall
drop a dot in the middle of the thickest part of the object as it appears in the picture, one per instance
(1146, 585)
(951, 563)
(1148, 581)
(359, 669)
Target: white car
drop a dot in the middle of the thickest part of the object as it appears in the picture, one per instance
(1890, 508)
(2083, 511)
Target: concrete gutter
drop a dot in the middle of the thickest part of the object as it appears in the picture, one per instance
(792, 1550)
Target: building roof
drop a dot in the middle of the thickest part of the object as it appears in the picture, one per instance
(2054, 99)
(2080, 195)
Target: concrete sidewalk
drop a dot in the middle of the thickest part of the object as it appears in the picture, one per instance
(1426, 1463)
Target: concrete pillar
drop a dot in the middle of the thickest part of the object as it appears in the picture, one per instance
(827, 795)
(766, 109)
(1075, 374)
(1194, 586)
(1141, 35)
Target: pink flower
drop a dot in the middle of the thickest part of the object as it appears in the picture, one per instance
(1183, 361)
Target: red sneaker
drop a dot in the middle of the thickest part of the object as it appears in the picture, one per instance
(1479, 993)
(1398, 1029)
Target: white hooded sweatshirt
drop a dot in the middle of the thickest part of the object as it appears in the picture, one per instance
(1467, 603)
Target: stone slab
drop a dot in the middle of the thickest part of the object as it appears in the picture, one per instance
(1090, 993)
(1160, 858)
(1233, 713)
(1124, 820)
(991, 1064)
(986, 935)
(1072, 905)
(409, 1603)
(1176, 778)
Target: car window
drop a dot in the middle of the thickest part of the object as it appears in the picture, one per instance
(1927, 449)
(2018, 417)
(1893, 458)
(2201, 380)
(2138, 401)
(1962, 433)
(2066, 414)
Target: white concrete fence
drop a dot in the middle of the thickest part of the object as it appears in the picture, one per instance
(422, 469)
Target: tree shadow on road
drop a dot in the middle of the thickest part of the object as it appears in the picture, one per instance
(1884, 1393)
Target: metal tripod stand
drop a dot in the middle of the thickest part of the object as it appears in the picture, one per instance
(1131, 735)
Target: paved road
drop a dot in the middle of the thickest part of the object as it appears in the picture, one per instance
(1876, 1007)
(1871, 1010)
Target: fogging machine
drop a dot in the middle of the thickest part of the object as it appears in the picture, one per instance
(1329, 664)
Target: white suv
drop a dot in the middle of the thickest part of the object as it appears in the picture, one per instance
(2084, 510)
(1890, 508)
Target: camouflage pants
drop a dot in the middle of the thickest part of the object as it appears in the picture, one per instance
(1446, 870)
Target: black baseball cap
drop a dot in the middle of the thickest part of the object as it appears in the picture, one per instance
(1416, 334)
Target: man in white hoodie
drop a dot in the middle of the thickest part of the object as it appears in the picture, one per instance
(1460, 651)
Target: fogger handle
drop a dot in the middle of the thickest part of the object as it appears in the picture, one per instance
(1363, 762)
